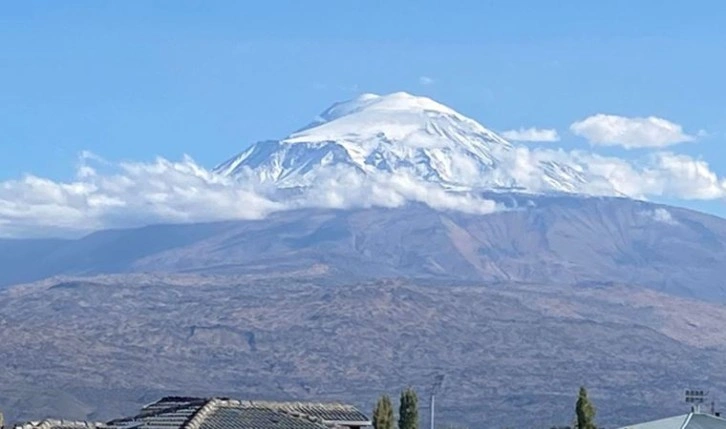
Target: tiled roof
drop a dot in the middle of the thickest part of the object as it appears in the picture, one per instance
(171, 402)
(229, 414)
(222, 413)
(327, 412)
(61, 424)
(163, 414)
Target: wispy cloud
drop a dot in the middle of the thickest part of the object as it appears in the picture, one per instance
(636, 132)
(532, 135)
(426, 80)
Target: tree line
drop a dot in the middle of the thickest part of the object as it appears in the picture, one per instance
(383, 415)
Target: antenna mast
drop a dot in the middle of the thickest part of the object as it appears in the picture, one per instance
(696, 397)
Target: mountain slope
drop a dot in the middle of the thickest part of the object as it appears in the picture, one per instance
(564, 239)
(400, 133)
(513, 355)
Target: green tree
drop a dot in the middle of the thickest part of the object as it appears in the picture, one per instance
(585, 411)
(383, 413)
(408, 410)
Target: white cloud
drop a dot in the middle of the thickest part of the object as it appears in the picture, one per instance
(661, 215)
(532, 135)
(686, 177)
(613, 130)
(135, 193)
(425, 80)
(344, 188)
(660, 174)
(106, 194)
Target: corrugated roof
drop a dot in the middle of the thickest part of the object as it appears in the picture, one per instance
(685, 421)
(705, 421)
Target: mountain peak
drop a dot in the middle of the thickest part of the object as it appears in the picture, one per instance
(367, 103)
(394, 102)
(396, 115)
(398, 134)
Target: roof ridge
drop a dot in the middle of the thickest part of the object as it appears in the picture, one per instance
(328, 405)
(196, 419)
(688, 420)
(145, 412)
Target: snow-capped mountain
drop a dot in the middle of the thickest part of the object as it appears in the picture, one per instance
(401, 133)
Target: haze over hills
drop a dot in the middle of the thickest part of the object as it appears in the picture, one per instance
(526, 274)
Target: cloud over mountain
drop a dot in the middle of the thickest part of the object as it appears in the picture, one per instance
(372, 151)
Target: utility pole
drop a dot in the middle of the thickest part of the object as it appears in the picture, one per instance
(438, 381)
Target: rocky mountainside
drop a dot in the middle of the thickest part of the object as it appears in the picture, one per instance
(513, 354)
(566, 239)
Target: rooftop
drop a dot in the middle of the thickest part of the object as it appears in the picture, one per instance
(60, 424)
(223, 413)
(685, 421)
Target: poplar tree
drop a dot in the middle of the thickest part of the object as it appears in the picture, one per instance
(408, 410)
(585, 411)
(383, 414)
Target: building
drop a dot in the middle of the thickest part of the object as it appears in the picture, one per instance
(693, 420)
(225, 413)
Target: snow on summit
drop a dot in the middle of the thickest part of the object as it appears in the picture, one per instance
(396, 115)
(399, 117)
(401, 134)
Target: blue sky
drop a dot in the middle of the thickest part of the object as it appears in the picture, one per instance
(134, 80)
